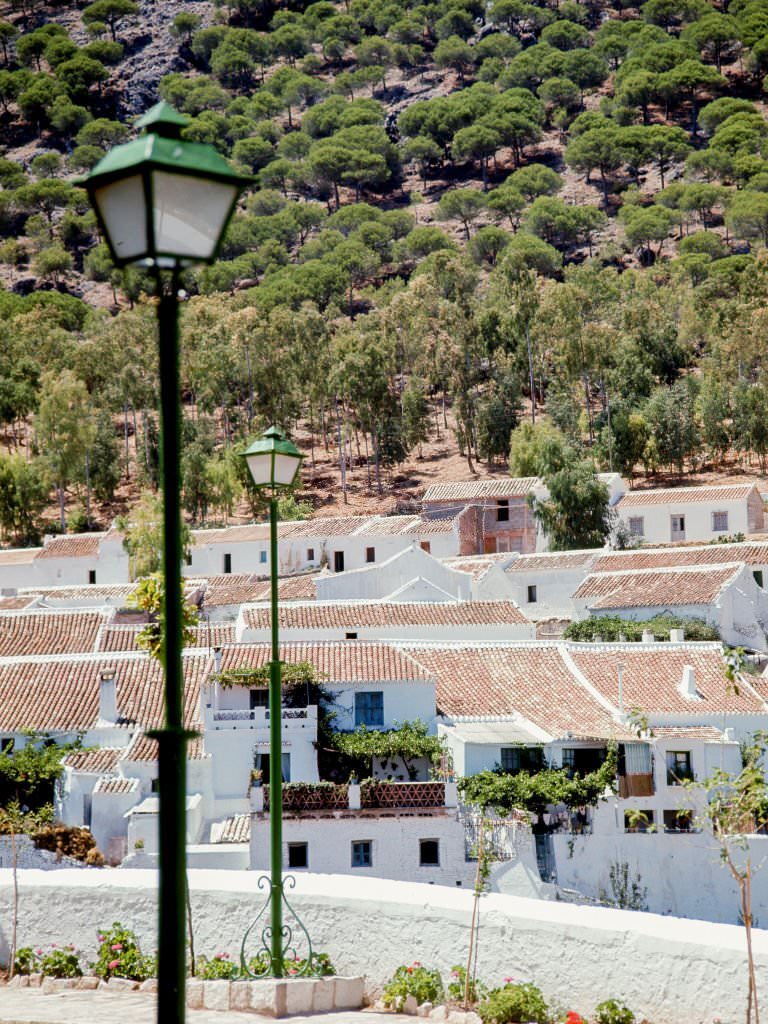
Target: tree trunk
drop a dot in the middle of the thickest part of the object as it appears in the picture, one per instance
(15, 909)
(88, 489)
(62, 512)
(530, 373)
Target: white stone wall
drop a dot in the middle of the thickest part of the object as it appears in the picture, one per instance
(28, 856)
(394, 843)
(679, 873)
(668, 970)
(383, 578)
(554, 592)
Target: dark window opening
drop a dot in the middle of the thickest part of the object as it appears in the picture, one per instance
(678, 767)
(338, 561)
(583, 760)
(426, 546)
(522, 759)
(188, 558)
(758, 575)
(155, 785)
(259, 698)
(638, 821)
(298, 855)
(429, 853)
(6, 744)
(502, 510)
(362, 854)
(310, 554)
(227, 563)
(350, 636)
(677, 821)
(91, 576)
(370, 554)
(532, 595)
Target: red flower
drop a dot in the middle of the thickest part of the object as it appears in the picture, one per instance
(410, 970)
(573, 1018)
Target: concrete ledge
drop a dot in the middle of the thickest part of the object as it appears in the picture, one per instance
(272, 997)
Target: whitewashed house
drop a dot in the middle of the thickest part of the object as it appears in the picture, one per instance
(724, 595)
(691, 513)
(410, 575)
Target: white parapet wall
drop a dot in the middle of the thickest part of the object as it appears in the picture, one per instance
(669, 970)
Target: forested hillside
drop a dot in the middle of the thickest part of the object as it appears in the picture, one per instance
(468, 216)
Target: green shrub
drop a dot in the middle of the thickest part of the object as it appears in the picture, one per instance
(425, 984)
(119, 955)
(613, 1012)
(322, 966)
(61, 962)
(514, 1003)
(26, 961)
(220, 966)
(456, 986)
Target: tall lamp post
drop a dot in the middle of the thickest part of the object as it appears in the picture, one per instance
(273, 462)
(164, 204)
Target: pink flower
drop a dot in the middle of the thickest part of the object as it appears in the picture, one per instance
(508, 981)
(417, 963)
(113, 964)
(117, 948)
(100, 938)
(53, 945)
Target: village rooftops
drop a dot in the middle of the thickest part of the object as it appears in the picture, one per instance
(72, 545)
(554, 561)
(477, 566)
(99, 761)
(347, 661)
(204, 635)
(679, 496)
(751, 552)
(236, 829)
(26, 633)
(474, 490)
(533, 681)
(144, 750)
(18, 556)
(657, 588)
(61, 694)
(230, 589)
(368, 614)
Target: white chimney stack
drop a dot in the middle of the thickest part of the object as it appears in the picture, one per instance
(108, 696)
(648, 636)
(687, 685)
(676, 636)
(217, 659)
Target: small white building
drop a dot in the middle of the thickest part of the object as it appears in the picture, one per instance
(691, 513)
(725, 595)
(543, 584)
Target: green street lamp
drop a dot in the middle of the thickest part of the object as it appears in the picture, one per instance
(273, 462)
(164, 203)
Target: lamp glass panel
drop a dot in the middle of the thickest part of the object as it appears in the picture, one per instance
(123, 209)
(260, 468)
(189, 214)
(286, 467)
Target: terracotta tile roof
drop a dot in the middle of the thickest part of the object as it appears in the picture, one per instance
(370, 614)
(443, 521)
(143, 749)
(684, 495)
(466, 490)
(116, 785)
(61, 694)
(232, 589)
(95, 762)
(48, 632)
(347, 661)
(18, 556)
(383, 526)
(233, 830)
(707, 554)
(112, 592)
(231, 535)
(330, 526)
(652, 673)
(123, 638)
(75, 545)
(688, 732)
(553, 561)
(476, 565)
(532, 680)
(656, 588)
(15, 604)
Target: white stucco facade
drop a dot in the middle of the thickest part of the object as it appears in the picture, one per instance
(668, 970)
(707, 513)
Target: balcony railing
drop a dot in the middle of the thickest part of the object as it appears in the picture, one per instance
(257, 715)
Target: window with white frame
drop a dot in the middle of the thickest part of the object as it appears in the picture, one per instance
(719, 522)
(637, 526)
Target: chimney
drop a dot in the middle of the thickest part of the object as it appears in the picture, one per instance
(108, 696)
(687, 685)
(648, 637)
(676, 636)
(217, 659)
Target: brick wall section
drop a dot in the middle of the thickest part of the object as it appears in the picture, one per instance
(755, 513)
(480, 530)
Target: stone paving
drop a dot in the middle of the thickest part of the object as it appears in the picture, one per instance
(32, 1006)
